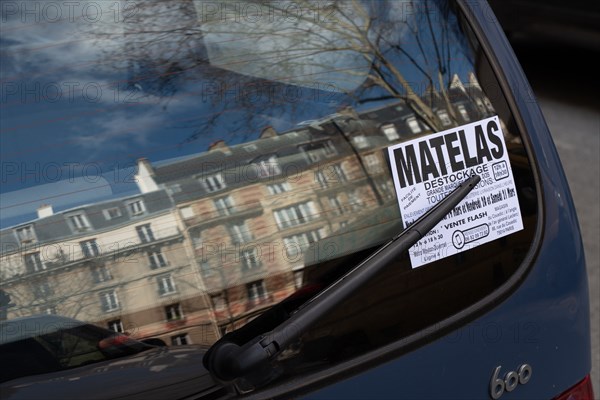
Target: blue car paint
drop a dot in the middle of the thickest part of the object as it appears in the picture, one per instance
(544, 322)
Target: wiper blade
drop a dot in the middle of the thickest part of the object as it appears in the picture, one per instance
(228, 361)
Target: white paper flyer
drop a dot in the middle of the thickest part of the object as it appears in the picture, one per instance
(426, 169)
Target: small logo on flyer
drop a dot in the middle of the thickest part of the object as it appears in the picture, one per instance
(500, 170)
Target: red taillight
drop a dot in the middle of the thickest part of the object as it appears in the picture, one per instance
(582, 391)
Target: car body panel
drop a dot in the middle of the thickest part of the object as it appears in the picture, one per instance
(150, 373)
(176, 371)
(544, 323)
(539, 317)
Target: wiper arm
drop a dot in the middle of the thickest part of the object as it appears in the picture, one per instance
(228, 361)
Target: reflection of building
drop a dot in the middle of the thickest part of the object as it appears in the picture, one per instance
(119, 263)
(251, 210)
(216, 237)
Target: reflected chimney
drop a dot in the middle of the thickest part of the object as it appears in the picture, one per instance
(220, 145)
(268, 132)
(45, 210)
(145, 176)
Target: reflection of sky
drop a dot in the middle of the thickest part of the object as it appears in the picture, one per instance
(20, 205)
(68, 110)
(297, 50)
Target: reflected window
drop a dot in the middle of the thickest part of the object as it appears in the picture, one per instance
(372, 163)
(269, 167)
(318, 151)
(335, 206)
(136, 207)
(444, 117)
(224, 205)
(320, 177)
(173, 312)
(257, 292)
(413, 125)
(463, 112)
(277, 188)
(166, 285)
(240, 233)
(101, 274)
(386, 188)
(329, 148)
(354, 201)
(480, 106)
(336, 173)
(330, 175)
(79, 222)
(116, 325)
(390, 132)
(156, 259)
(90, 248)
(295, 215)
(109, 301)
(145, 233)
(250, 259)
(360, 141)
(213, 183)
(179, 340)
(26, 234)
(296, 244)
(33, 262)
(111, 213)
(488, 105)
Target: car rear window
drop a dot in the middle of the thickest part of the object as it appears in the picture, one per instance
(175, 169)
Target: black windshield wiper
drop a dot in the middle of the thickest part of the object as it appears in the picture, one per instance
(228, 361)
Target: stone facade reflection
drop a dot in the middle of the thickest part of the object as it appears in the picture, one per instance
(214, 239)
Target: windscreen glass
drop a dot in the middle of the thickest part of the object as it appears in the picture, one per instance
(173, 169)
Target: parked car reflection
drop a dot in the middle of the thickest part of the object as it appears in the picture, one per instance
(56, 357)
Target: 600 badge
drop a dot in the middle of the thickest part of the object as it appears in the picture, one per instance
(511, 380)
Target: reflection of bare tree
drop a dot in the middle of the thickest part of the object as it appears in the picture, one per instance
(170, 46)
(53, 290)
(70, 301)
